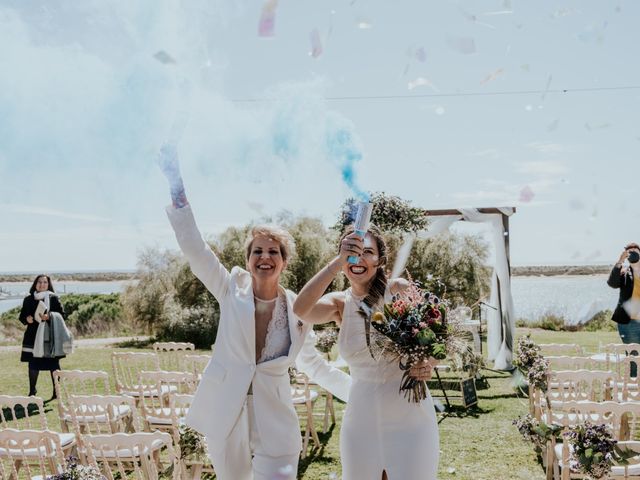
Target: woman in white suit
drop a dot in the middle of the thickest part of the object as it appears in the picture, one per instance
(243, 404)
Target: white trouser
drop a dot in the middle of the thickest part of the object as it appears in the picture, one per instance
(243, 457)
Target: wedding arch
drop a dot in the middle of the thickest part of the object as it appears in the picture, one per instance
(501, 321)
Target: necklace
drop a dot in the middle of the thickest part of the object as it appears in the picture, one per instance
(264, 301)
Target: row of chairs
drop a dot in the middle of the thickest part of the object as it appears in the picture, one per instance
(599, 388)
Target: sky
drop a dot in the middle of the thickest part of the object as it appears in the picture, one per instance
(446, 104)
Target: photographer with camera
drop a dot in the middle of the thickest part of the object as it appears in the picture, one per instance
(626, 276)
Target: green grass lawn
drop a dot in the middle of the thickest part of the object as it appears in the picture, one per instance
(478, 443)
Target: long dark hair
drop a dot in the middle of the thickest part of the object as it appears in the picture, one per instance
(33, 285)
(379, 283)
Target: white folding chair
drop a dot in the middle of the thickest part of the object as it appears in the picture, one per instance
(37, 453)
(304, 398)
(133, 455)
(77, 382)
(156, 409)
(127, 367)
(27, 413)
(102, 414)
(171, 355)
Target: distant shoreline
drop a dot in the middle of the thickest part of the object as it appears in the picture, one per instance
(72, 276)
(520, 271)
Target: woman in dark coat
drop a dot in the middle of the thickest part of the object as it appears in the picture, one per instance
(41, 287)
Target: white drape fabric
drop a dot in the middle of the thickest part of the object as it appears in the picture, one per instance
(500, 328)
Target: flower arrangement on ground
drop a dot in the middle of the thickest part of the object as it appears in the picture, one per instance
(326, 339)
(594, 450)
(76, 471)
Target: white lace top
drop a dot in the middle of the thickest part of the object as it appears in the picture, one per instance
(278, 339)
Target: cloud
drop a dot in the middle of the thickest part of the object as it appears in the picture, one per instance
(492, 153)
(550, 148)
(542, 167)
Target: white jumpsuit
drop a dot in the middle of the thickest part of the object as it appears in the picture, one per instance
(381, 429)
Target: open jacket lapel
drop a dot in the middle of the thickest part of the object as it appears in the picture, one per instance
(297, 329)
(247, 316)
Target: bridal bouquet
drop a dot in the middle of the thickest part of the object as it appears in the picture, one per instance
(412, 328)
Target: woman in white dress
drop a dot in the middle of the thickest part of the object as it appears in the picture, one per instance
(243, 405)
(383, 435)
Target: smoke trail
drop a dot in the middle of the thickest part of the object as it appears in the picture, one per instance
(343, 149)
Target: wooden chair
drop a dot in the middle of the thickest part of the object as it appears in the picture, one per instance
(192, 468)
(304, 398)
(156, 409)
(127, 367)
(615, 353)
(37, 452)
(133, 455)
(630, 471)
(101, 414)
(77, 382)
(196, 364)
(615, 415)
(567, 386)
(27, 413)
(565, 362)
(172, 355)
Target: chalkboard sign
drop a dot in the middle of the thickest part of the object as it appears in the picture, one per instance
(469, 396)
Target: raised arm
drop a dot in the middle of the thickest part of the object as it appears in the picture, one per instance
(310, 305)
(614, 277)
(203, 262)
(170, 166)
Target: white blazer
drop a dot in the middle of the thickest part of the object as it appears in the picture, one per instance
(232, 369)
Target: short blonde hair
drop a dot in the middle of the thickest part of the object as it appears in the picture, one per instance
(275, 233)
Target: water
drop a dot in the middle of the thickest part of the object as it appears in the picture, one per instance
(576, 298)
(21, 289)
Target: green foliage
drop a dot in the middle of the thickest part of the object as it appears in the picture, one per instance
(553, 322)
(391, 214)
(144, 302)
(90, 315)
(198, 325)
(452, 266)
(601, 322)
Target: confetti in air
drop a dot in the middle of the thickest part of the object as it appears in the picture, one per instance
(316, 44)
(421, 82)
(464, 45)
(420, 54)
(546, 89)
(553, 126)
(492, 76)
(526, 194)
(164, 57)
(266, 26)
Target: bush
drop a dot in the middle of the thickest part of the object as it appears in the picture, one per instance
(552, 322)
(601, 322)
(198, 325)
(85, 314)
(98, 314)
